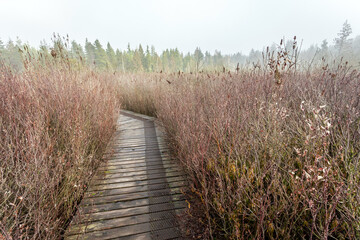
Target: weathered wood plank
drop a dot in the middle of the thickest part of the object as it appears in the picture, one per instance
(125, 168)
(126, 212)
(141, 178)
(106, 185)
(137, 164)
(118, 191)
(111, 174)
(121, 222)
(131, 196)
(138, 231)
(130, 204)
(124, 163)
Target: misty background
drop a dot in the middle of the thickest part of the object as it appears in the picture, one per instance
(185, 35)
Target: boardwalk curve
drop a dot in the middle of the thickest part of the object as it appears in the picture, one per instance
(136, 193)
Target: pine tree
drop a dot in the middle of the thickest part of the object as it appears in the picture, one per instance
(129, 51)
(208, 63)
(147, 60)
(2, 47)
(342, 42)
(198, 57)
(111, 56)
(13, 56)
(101, 58)
(128, 59)
(156, 64)
(137, 61)
(177, 60)
(324, 49)
(77, 50)
(120, 60)
(89, 52)
(142, 57)
(187, 63)
(165, 60)
(218, 60)
(324, 45)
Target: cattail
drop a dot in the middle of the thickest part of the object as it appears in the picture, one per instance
(277, 76)
(53, 53)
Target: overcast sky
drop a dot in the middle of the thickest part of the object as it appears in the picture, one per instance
(227, 25)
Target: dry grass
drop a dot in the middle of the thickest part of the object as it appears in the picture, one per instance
(266, 160)
(56, 118)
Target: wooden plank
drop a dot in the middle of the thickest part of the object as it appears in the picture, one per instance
(115, 178)
(129, 160)
(128, 144)
(131, 150)
(117, 191)
(126, 212)
(125, 168)
(109, 174)
(122, 155)
(130, 196)
(145, 182)
(120, 222)
(131, 204)
(138, 155)
(137, 162)
(135, 165)
(138, 231)
(140, 178)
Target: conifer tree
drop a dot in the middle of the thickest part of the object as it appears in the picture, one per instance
(90, 53)
(2, 47)
(142, 57)
(342, 42)
(147, 60)
(111, 56)
(177, 60)
(101, 59)
(137, 61)
(198, 58)
(13, 56)
(120, 60)
(77, 50)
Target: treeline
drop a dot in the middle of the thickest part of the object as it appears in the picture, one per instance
(343, 49)
(139, 59)
(147, 59)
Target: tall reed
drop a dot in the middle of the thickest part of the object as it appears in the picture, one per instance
(56, 118)
(269, 156)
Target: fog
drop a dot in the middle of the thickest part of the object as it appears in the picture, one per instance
(229, 26)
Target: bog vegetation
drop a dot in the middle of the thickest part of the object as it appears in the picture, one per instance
(271, 147)
(55, 120)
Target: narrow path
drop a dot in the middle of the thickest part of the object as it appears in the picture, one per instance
(136, 194)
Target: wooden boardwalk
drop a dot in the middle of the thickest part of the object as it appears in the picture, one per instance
(136, 194)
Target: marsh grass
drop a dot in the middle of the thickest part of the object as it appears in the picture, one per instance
(56, 118)
(269, 156)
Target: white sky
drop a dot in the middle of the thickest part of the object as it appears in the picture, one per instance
(228, 25)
